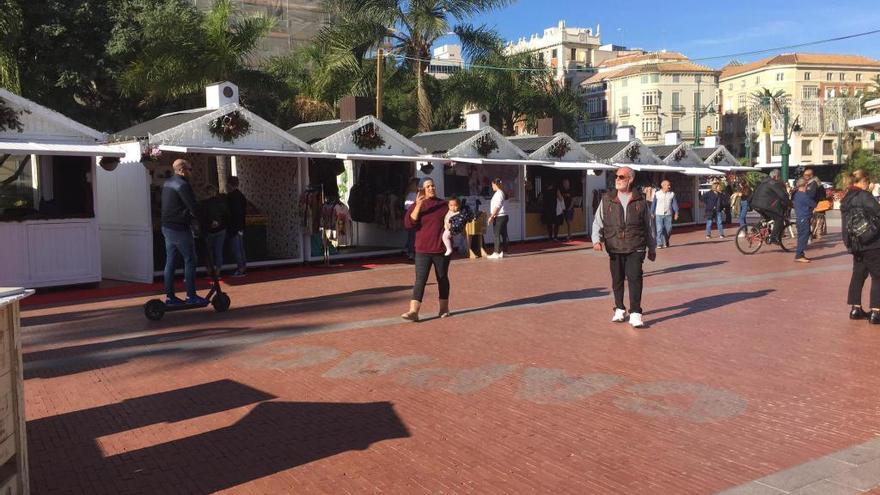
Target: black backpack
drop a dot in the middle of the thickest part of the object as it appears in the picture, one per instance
(861, 229)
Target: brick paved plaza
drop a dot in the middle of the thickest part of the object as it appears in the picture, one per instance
(748, 378)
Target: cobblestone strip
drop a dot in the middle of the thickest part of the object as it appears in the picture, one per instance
(849, 471)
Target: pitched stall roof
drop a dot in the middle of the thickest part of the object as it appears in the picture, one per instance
(438, 142)
(663, 150)
(732, 70)
(704, 153)
(605, 150)
(313, 132)
(530, 144)
(161, 123)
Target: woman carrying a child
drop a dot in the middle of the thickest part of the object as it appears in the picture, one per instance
(428, 217)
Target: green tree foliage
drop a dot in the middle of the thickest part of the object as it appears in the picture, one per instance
(860, 159)
(10, 30)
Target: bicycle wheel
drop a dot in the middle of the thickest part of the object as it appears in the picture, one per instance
(748, 239)
(788, 242)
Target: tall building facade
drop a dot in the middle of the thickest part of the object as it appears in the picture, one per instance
(297, 21)
(653, 92)
(812, 82)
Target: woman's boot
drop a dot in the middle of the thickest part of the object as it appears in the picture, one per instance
(413, 313)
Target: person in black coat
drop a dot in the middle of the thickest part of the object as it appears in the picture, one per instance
(866, 261)
(771, 200)
(713, 202)
(235, 230)
(215, 219)
(549, 217)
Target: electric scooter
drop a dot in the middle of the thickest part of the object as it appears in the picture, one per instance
(155, 309)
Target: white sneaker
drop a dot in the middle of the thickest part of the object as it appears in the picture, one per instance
(501, 255)
(619, 316)
(493, 256)
(635, 319)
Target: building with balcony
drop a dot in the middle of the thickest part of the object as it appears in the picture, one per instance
(653, 92)
(446, 60)
(296, 22)
(812, 82)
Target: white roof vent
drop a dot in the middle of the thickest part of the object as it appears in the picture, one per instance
(220, 94)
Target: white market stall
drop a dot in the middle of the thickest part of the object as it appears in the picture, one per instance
(477, 155)
(265, 159)
(48, 217)
(686, 183)
(566, 160)
(357, 180)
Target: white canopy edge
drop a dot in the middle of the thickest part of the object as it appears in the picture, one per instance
(499, 161)
(21, 148)
(649, 168)
(737, 168)
(870, 122)
(701, 171)
(771, 165)
(215, 150)
(582, 166)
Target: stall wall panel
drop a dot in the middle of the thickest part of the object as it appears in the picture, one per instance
(127, 254)
(271, 184)
(126, 236)
(14, 255)
(63, 252)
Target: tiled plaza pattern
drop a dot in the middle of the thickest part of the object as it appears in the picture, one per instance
(748, 378)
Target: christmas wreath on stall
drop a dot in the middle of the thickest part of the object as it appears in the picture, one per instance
(9, 118)
(366, 137)
(485, 145)
(632, 153)
(229, 127)
(717, 158)
(679, 155)
(559, 149)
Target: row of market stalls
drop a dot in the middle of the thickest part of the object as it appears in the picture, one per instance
(321, 190)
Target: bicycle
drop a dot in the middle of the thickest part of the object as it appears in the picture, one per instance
(750, 237)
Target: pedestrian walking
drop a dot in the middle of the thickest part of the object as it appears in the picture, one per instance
(215, 219)
(426, 216)
(179, 218)
(498, 219)
(665, 211)
(817, 191)
(624, 228)
(235, 231)
(568, 204)
(804, 203)
(713, 203)
(745, 199)
(859, 220)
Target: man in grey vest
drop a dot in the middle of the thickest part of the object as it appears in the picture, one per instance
(624, 226)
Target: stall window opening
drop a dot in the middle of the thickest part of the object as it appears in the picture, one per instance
(43, 187)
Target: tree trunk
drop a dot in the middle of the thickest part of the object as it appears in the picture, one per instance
(223, 171)
(423, 103)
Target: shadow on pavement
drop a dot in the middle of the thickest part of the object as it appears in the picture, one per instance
(568, 295)
(67, 452)
(705, 304)
(683, 268)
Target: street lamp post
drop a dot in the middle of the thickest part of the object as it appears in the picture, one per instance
(786, 149)
(697, 113)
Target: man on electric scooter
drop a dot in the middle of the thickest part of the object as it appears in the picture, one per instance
(178, 218)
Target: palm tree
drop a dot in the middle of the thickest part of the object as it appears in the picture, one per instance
(185, 50)
(10, 29)
(408, 29)
(872, 92)
(767, 107)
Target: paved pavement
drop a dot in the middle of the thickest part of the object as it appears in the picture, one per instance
(749, 378)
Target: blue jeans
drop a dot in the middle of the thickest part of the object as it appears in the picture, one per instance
(719, 221)
(803, 233)
(236, 241)
(743, 210)
(664, 229)
(179, 241)
(215, 244)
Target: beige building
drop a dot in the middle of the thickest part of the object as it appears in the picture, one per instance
(445, 61)
(811, 80)
(297, 21)
(653, 92)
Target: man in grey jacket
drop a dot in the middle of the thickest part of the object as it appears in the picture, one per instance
(624, 227)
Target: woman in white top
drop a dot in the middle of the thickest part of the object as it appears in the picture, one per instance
(498, 218)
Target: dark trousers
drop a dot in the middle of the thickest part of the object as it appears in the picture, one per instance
(628, 267)
(423, 269)
(864, 264)
(803, 233)
(778, 223)
(500, 229)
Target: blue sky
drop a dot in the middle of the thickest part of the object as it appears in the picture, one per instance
(704, 28)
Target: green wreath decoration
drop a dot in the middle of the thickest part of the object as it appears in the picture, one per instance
(632, 153)
(679, 155)
(717, 158)
(367, 138)
(9, 118)
(485, 145)
(229, 127)
(559, 148)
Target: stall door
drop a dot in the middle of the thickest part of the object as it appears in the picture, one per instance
(123, 210)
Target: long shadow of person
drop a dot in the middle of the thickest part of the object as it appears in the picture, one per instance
(682, 268)
(553, 297)
(707, 303)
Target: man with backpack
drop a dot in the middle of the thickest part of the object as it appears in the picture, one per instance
(860, 217)
(771, 200)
